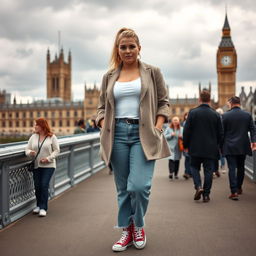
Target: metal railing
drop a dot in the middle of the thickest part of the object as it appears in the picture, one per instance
(250, 166)
(79, 158)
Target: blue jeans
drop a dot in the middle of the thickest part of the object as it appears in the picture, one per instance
(133, 174)
(187, 163)
(208, 171)
(236, 178)
(42, 177)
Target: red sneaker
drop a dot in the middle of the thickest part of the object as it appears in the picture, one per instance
(139, 238)
(125, 240)
(234, 196)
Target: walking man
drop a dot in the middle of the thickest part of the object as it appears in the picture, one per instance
(237, 123)
(202, 136)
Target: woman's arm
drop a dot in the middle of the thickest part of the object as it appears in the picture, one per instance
(162, 100)
(28, 148)
(101, 107)
(55, 148)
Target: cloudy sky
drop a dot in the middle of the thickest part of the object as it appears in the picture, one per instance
(179, 36)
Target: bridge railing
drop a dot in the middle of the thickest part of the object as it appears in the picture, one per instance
(250, 166)
(79, 158)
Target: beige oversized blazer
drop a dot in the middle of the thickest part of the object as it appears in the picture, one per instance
(153, 102)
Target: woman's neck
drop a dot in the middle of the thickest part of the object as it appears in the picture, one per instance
(128, 67)
(42, 134)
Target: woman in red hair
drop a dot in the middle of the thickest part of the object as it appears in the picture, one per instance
(46, 143)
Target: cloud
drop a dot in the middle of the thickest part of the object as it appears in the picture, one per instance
(181, 37)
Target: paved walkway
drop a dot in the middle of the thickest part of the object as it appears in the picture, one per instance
(80, 222)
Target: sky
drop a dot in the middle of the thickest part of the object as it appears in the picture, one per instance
(181, 37)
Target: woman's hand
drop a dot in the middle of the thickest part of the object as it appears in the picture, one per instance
(173, 134)
(44, 161)
(32, 153)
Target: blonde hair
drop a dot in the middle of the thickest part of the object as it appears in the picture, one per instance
(115, 60)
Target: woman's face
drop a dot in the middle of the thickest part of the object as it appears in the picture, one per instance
(38, 129)
(128, 50)
(175, 121)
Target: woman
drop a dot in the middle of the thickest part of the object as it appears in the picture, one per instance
(133, 107)
(173, 133)
(45, 162)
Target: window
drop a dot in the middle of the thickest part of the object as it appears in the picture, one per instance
(68, 113)
(53, 114)
(60, 123)
(31, 123)
(10, 115)
(68, 123)
(3, 123)
(31, 114)
(3, 115)
(24, 114)
(24, 123)
(45, 114)
(38, 113)
(17, 124)
(75, 113)
(53, 123)
(60, 113)
(17, 114)
(10, 123)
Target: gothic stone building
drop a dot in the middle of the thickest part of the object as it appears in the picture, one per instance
(59, 109)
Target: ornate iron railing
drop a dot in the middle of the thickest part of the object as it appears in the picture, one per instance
(250, 166)
(79, 158)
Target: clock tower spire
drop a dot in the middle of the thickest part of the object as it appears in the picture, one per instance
(226, 65)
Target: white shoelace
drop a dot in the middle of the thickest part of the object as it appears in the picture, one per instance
(124, 237)
(138, 233)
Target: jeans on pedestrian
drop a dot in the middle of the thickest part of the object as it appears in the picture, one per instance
(133, 174)
(222, 161)
(174, 166)
(208, 171)
(187, 164)
(42, 177)
(236, 171)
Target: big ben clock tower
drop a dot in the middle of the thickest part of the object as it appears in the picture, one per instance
(226, 66)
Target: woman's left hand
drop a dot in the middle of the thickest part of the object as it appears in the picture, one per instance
(44, 161)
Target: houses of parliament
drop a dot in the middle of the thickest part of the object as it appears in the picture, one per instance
(63, 113)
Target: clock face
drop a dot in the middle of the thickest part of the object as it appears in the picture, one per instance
(226, 60)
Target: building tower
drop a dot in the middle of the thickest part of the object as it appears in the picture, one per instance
(91, 101)
(226, 66)
(59, 77)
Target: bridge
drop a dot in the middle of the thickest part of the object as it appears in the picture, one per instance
(83, 210)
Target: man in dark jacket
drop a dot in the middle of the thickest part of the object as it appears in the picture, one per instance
(202, 136)
(236, 145)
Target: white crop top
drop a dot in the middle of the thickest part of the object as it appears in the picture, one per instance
(127, 99)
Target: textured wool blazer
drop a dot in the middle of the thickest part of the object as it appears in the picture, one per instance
(237, 124)
(153, 102)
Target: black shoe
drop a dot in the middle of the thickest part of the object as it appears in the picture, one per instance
(198, 194)
(206, 198)
(185, 176)
(170, 177)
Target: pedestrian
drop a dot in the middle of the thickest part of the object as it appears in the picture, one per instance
(173, 133)
(202, 137)
(45, 162)
(80, 127)
(132, 109)
(187, 172)
(92, 127)
(237, 123)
